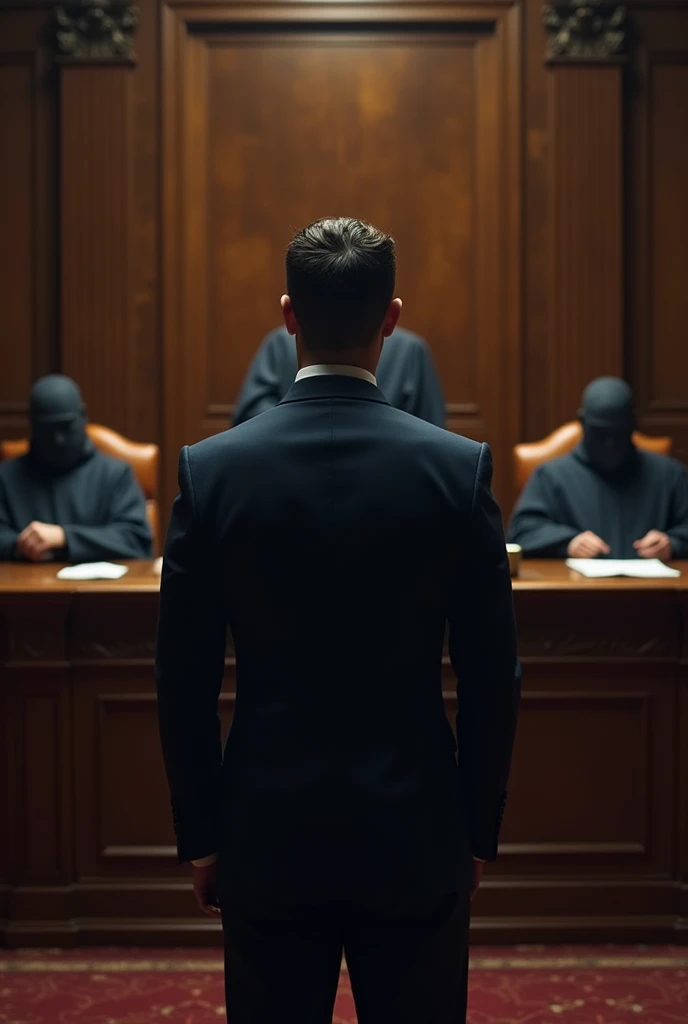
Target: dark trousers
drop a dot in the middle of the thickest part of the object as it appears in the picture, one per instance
(407, 958)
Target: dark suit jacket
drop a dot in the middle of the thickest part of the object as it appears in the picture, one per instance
(405, 374)
(337, 536)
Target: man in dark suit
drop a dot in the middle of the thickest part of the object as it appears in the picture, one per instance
(336, 536)
(405, 375)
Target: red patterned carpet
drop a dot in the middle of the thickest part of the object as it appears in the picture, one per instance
(521, 985)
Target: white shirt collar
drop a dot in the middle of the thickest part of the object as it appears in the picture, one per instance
(338, 369)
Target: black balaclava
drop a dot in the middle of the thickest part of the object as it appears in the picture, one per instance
(608, 419)
(59, 441)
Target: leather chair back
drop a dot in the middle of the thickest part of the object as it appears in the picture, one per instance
(528, 456)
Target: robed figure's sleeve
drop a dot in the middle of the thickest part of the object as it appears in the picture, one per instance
(482, 648)
(538, 523)
(189, 665)
(422, 391)
(8, 535)
(269, 376)
(677, 528)
(125, 535)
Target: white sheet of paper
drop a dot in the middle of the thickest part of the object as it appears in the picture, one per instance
(93, 571)
(639, 568)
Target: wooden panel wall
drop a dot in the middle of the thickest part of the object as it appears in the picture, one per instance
(79, 205)
(28, 209)
(657, 217)
(595, 839)
(606, 224)
(586, 259)
(242, 113)
(540, 207)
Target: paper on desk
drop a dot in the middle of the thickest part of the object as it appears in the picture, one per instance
(93, 571)
(639, 568)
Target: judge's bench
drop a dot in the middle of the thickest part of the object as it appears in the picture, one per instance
(595, 838)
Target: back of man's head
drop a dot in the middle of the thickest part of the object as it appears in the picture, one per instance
(340, 279)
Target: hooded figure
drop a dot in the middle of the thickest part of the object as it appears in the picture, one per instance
(608, 419)
(606, 498)
(64, 500)
(405, 375)
(57, 414)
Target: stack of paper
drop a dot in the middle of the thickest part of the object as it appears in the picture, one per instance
(640, 568)
(93, 571)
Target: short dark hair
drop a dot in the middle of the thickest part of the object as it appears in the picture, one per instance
(340, 279)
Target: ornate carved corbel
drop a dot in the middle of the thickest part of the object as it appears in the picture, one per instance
(96, 31)
(585, 31)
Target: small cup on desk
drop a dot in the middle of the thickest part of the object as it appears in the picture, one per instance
(514, 552)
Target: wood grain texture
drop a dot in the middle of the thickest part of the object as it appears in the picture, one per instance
(109, 206)
(251, 117)
(39, 813)
(536, 235)
(28, 340)
(542, 221)
(668, 376)
(594, 838)
(682, 787)
(618, 810)
(16, 209)
(95, 238)
(88, 157)
(657, 214)
(638, 335)
(142, 577)
(146, 368)
(585, 292)
(443, 104)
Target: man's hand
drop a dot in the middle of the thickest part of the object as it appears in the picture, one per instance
(478, 867)
(38, 539)
(587, 545)
(205, 888)
(654, 544)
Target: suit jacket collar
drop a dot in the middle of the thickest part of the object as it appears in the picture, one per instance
(333, 386)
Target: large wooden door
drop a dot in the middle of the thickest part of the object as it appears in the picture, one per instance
(405, 116)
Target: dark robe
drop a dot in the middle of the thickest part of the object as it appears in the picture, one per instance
(567, 496)
(405, 374)
(99, 505)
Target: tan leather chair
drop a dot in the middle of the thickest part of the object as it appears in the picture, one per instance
(143, 459)
(527, 457)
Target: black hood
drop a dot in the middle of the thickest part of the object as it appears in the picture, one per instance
(59, 441)
(608, 418)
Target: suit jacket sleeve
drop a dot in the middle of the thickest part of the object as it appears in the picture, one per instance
(482, 647)
(192, 631)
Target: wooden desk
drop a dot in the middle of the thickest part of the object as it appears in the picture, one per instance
(595, 840)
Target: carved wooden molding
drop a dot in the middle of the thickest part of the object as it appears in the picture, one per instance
(551, 643)
(96, 31)
(585, 31)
